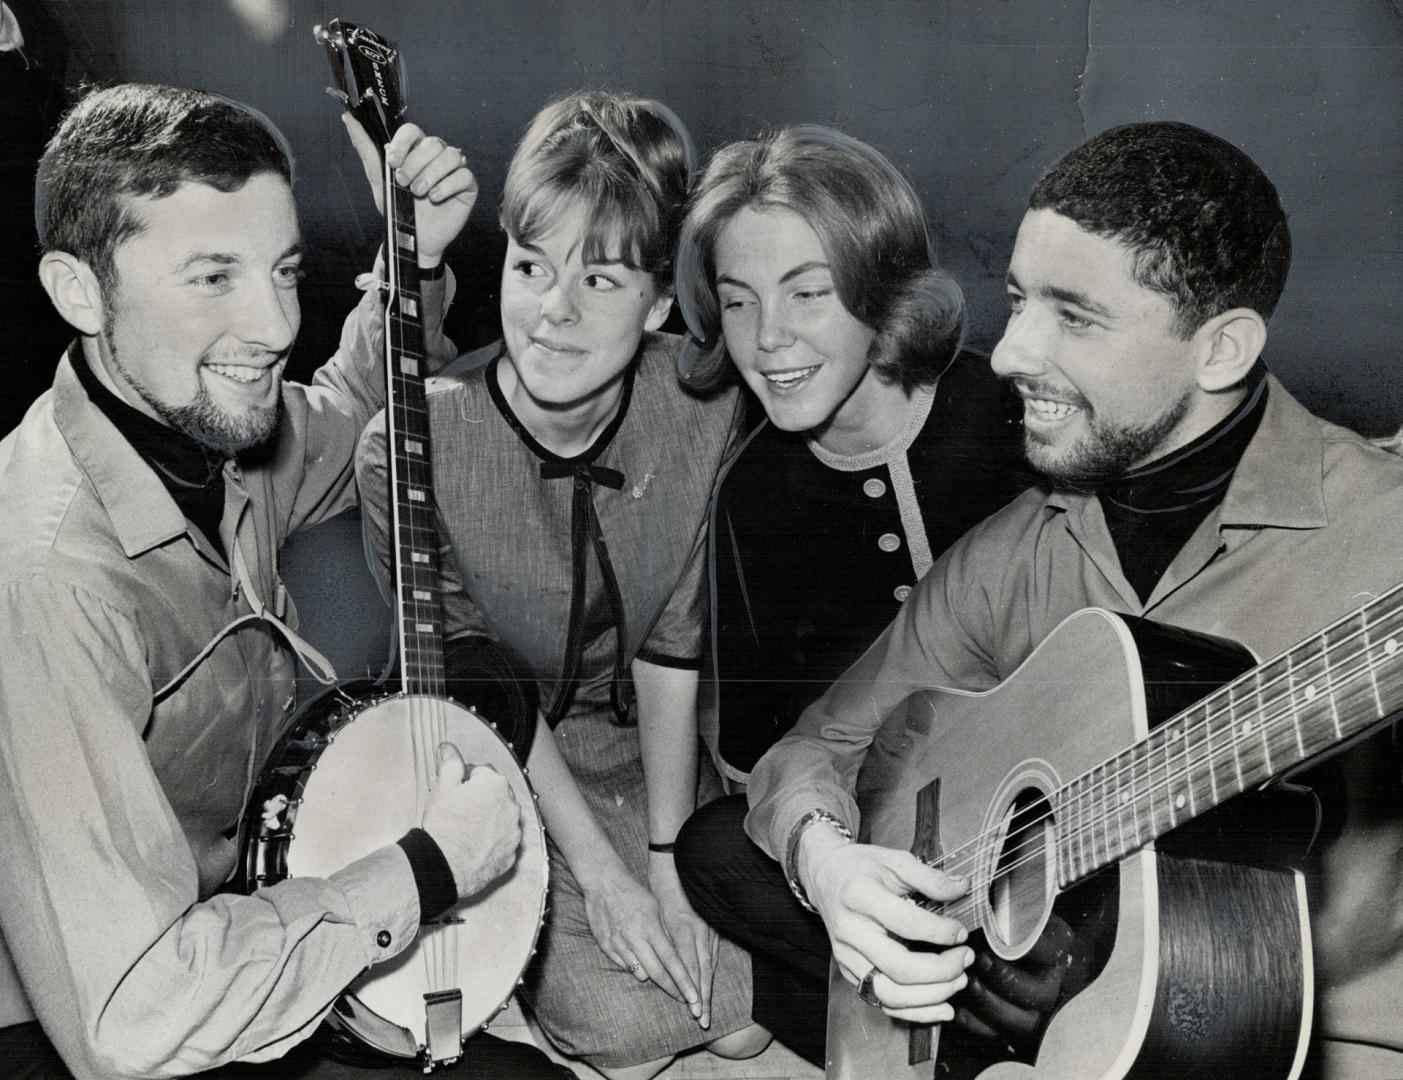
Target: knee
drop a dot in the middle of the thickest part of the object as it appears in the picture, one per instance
(706, 843)
(644, 1070)
(745, 1043)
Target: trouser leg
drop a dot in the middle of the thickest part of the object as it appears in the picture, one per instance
(742, 892)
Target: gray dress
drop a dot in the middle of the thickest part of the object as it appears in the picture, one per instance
(577, 566)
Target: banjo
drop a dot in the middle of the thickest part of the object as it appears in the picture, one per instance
(351, 773)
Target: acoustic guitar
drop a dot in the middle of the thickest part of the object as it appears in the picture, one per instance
(1091, 784)
(351, 773)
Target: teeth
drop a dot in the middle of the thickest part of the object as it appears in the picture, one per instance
(789, 378)
(239, 373)
(1050, 410)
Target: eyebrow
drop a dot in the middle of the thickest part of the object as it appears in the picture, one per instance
(1066, 296)
(224, 258)
(790, 275)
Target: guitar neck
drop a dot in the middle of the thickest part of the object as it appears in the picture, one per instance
(419, 605)
(1316, 696)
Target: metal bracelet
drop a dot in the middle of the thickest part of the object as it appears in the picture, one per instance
(791, 851)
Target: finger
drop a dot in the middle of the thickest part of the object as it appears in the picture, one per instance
(688, 945)
(973, 1024)
(900, 964)
(931, 1014)
(904, 918)
(367, 150)
(421, 156)
(900, 996)
(666, 969)
(446, 170)
(1028, 988)
(706, 966)
(1002, 1015)
(405, 138)
(451, 769)
(459, 184)
(917, 877)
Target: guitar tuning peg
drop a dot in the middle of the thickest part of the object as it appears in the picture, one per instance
(333, 92)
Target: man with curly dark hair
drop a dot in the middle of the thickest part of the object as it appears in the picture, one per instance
(1182, 483)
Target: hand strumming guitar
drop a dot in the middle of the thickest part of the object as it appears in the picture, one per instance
(862, 893)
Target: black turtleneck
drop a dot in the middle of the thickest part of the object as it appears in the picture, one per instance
(191, 472)
(1152, 511)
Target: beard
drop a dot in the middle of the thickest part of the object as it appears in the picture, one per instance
(1106, 453)
(216, 429)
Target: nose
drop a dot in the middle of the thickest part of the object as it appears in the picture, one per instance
(1022, 350)
(558, 305)
(772, 332)
(271, 317)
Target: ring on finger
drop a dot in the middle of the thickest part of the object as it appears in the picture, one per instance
(866, 991)
(635, 967)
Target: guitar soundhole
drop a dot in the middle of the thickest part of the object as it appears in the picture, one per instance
(1021, 885)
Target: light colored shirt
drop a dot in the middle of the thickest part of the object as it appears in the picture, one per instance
(1306, 533)
(117, 806)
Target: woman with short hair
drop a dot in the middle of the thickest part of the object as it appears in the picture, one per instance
(571, 476)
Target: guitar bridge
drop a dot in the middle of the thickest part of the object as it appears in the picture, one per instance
(443, 1028)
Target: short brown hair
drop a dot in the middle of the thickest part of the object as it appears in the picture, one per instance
(627, 159)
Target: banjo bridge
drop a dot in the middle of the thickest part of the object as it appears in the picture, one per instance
(443, 1024)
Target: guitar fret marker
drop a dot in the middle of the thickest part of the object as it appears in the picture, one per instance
(1390, 647)
(421, 594)
(404, 240)
(419, 556)
(408, 365)
(410, 307)
(415, 495)
(413, 446)
(424, 628)
(1179, 801)
(1311, 691)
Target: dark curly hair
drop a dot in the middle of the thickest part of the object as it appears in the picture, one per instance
(1204, 223)
(873, 231)
(139, 140)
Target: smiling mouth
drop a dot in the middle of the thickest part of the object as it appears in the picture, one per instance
(1049, 410)
(554, 348)
(788, 380)
(240, 373)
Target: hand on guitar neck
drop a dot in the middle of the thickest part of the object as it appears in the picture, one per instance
(475, 820)
(444, 187)
(862, 893)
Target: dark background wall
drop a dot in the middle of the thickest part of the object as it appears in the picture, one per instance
(973, 98)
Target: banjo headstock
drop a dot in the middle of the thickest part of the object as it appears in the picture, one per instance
(369, 77)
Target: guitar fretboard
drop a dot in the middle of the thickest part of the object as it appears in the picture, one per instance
(420, 609)
(1319, 694)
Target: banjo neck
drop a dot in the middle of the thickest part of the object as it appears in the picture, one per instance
(418, 603)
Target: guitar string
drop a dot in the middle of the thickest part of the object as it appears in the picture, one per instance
(1079, 833)
(1335, 682)
(1029, 890)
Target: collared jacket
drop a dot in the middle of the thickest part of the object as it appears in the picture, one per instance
(1306, 533)
(120, 792)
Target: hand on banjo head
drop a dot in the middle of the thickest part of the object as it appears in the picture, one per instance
(475, 820)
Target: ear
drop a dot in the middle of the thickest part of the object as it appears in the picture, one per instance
(657, 314)
(74, 290)
(1228, 346)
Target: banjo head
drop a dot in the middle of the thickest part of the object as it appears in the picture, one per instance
(364, 791)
